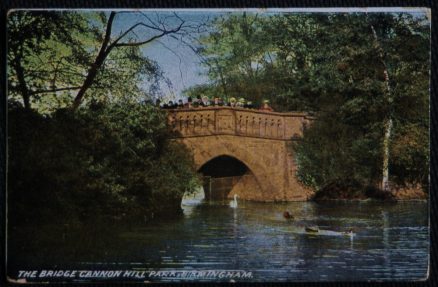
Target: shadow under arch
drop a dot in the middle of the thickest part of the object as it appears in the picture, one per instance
(224, 166)
(225, 175)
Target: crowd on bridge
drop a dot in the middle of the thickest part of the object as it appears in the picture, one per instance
(204, 101)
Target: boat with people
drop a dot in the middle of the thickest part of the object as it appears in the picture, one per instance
(314, 229)
(288, 215)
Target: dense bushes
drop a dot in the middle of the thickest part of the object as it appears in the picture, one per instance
(103, 162)
(336, 152)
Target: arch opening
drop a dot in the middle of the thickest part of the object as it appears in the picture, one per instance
(223, 177)
(223, 166)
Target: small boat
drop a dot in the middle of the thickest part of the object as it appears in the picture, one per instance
(193, 198)
(348, 233)
(287, 215)
(311, 229)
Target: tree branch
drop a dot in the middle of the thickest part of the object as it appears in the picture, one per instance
(107, 47)
(135, 44)
(92, 72)
(131, 29)
(53, 90)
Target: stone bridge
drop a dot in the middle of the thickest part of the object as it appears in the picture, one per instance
(261, 140)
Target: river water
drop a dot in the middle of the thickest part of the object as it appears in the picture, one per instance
(390, 242)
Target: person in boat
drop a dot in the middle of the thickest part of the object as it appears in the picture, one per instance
(349, 232)
(265, 106)
(311, 229)
(287, 215)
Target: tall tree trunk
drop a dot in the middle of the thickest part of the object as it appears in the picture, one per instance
(22, 82)
(101, 56)
(388, 118)
(92, 73)
(386, 141)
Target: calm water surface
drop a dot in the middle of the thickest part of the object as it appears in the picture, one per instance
(391, 242)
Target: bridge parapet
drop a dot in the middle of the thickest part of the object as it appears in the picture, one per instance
(237, 121)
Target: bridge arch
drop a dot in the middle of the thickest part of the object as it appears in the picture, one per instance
(260, 140)
(224, 176)
(204, 150)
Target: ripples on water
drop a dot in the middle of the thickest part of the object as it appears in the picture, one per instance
(390, 242)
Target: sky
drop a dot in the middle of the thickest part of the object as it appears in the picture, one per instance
(178, 62)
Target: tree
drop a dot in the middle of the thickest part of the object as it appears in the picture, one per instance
(351, 69)
(235, 52)
(28, 35)
(109, 161)
(370, 51)
(99, 161)
(69, 54)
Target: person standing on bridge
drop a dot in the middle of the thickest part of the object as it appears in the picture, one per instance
(265, 106)
(215, 102)
(188, 105)
(232, 102)
(197, 102)
(241, 103)
(158, 103)
(205, 101)
(180, 104)
(248, 105)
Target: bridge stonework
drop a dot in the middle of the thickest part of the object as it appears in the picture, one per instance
(261, 140)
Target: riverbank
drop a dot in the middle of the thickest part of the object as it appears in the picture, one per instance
(410, 193)
(351, 192)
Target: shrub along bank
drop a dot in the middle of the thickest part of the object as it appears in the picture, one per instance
(101, 163)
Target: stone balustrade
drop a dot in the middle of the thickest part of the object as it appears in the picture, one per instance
(237, 121)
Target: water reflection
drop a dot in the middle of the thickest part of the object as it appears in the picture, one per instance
(191, 200)
(390, 242)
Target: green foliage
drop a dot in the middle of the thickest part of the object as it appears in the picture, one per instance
(50, 53)
(234, 51)
(201, 90)
(410, 149)
(110, 160)
(334, 64)
(105, 162)
(360, 112)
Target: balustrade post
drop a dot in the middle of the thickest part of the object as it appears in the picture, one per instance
(211, 121)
